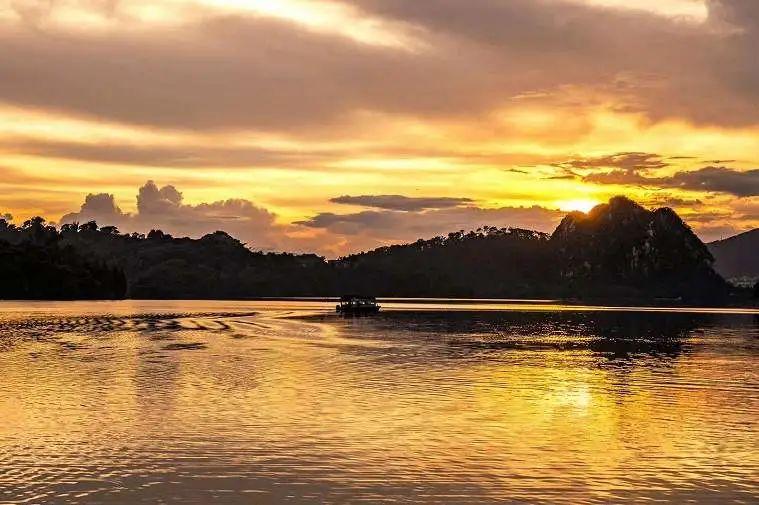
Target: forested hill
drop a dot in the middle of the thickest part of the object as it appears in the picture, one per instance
(488, 262)
(36, 264)
(619, 250)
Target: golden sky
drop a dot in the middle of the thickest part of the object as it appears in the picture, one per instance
(336, 126)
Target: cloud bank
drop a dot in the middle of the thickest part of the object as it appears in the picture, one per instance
(233, 68)
(326, 233)
(740, 183)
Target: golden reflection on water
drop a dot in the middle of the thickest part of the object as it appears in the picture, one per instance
(256, 402)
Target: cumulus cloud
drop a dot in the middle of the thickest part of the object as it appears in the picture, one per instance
(400, 202)
(162, 208)
(101, 205)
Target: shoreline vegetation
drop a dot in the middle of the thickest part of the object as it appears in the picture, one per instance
(618, 253)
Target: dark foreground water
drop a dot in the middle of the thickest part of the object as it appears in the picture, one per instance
(266, 402)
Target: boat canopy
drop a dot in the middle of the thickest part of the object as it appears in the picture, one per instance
(358, 298)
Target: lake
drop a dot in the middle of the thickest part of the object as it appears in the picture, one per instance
(427, 402)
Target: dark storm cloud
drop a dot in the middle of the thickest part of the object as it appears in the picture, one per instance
(237, 71)
(719, 179)
(399, 202)
(708, 179)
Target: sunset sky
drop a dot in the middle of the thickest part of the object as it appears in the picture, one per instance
(337, 126)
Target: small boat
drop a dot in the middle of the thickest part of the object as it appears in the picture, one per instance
(356, 304)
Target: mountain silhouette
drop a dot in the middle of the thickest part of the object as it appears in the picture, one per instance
(622, 248)
(618, 251)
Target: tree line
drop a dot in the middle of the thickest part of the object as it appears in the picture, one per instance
(619, 251)
(35, 263)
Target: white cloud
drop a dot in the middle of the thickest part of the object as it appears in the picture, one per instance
(162, 208)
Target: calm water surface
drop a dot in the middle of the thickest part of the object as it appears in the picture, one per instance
(263, 402)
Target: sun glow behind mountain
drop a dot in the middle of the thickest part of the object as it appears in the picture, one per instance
(582, 205)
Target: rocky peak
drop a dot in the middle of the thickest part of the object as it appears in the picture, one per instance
(621, 242)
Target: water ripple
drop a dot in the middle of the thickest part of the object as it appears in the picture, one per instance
(263, 402)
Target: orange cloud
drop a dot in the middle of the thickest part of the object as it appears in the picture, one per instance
(291, 103)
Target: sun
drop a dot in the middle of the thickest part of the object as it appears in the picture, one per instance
(581, 204)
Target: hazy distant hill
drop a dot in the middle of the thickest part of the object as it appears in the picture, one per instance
(737, 256)
(618, 251)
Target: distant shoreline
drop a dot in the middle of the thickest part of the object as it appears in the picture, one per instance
(620, 253)
(585, 303)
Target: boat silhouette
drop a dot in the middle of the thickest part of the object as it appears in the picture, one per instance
(357, 304)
